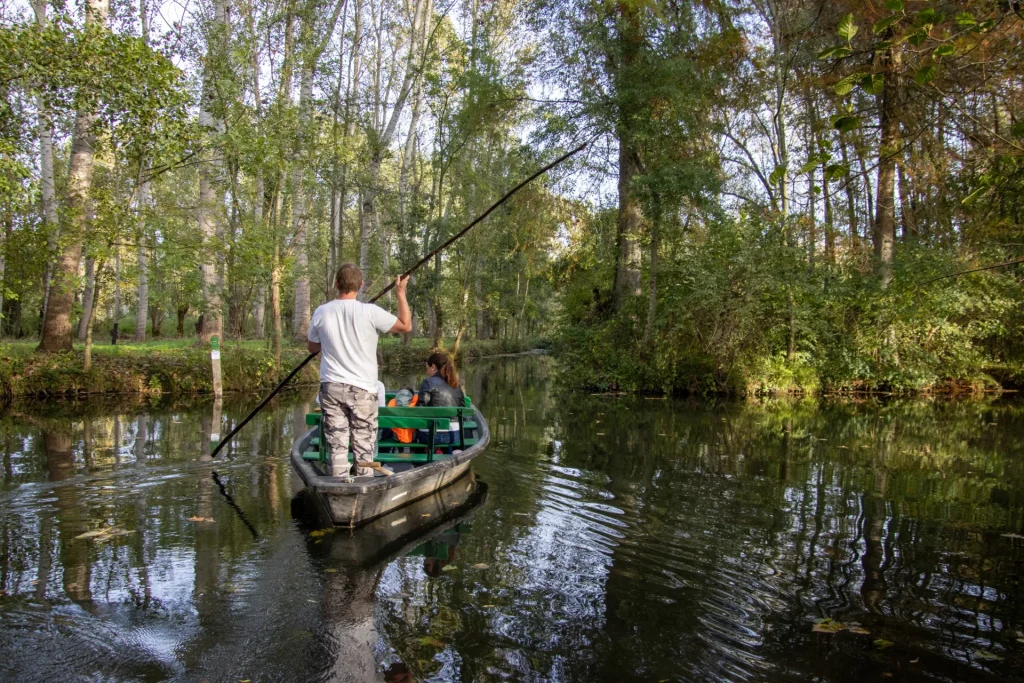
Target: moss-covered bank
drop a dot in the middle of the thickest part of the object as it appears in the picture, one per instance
(182, 367)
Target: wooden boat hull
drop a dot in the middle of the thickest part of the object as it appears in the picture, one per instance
(366, 499)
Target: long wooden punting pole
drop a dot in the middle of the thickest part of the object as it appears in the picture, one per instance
(407, 273)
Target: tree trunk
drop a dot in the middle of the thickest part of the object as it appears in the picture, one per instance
(210, 202)
(627, 263)
(888, 148)
(142, 309)
(87, 297)
(369, 191)
(56, 333)
(181, 312)
(906, 202)
(87, 363)
(830, 234)
(117, 289)
(851, 200)
(142, 306)
(300, 312)
(275, 304)
(652, 290)
(51, 226)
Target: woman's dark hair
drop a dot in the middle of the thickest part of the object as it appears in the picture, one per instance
(445, 368)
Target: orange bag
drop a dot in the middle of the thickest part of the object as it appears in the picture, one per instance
(404, 435)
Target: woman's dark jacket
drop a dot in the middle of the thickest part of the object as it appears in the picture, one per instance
(434, 391)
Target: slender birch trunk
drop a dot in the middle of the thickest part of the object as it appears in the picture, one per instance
(300, 314)
(51, 224)
(142, 307)
(87, 297)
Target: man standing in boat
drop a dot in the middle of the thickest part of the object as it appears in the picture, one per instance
(344, 331)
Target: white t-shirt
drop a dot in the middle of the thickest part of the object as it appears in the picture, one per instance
(347, 331)
(382, 394)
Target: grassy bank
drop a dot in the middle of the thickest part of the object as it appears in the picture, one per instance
(179, 366)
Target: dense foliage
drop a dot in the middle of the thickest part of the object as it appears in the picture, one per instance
(779, 194)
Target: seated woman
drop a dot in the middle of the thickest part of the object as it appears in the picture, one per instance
(441, 389)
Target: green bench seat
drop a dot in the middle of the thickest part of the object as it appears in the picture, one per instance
(429, 418)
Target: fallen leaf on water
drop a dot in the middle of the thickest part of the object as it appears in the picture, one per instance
(600, 433)
(860, 631)
(882, 643)
(829, 626)
(331, 571)
(433, 642)
(846, 447)
(487, 606)
(480, 565)
(988, 656)
(449, 568)
(105, 534)
(200, 519)
(312, 601)
(1012, 536)
(93, 534)
(425, 514)
(320, 532)
(915, 661)
(244, 680)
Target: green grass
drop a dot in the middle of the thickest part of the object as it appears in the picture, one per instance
(182, 366)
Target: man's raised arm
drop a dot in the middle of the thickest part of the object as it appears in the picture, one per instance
(404, 323)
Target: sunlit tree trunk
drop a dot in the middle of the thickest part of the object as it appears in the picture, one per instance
(56, 333)
(211, 205)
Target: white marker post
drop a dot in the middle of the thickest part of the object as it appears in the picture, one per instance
(218, 390)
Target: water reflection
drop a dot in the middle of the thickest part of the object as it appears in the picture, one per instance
(620, 539)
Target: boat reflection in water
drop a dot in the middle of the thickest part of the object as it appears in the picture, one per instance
(351, 563)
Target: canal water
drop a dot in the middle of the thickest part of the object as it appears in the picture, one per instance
(604, 538)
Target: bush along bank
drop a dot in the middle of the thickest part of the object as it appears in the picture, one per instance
(733, 325)
(139, 368)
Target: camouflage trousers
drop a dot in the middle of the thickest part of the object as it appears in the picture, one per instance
(349, 413)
